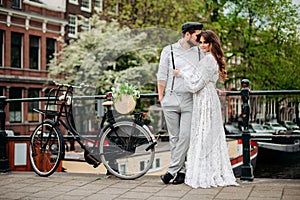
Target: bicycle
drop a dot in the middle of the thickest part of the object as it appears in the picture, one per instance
(119, 144)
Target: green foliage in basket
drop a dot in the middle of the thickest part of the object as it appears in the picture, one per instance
(125, 88)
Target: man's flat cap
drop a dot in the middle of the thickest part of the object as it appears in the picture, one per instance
(189, 26)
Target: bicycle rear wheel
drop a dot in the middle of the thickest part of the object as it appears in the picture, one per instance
(46, 148)
(123, 150)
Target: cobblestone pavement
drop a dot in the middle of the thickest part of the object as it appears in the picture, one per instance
(61, 185)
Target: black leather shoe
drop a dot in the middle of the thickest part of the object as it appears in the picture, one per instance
(179, 179)
(166, 178)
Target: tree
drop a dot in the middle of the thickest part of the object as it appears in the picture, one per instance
(262, 44)
(109, 54)
(167, 14)
(125, 45)
(262, 40)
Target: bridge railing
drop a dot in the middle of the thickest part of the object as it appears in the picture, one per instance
(246, 136)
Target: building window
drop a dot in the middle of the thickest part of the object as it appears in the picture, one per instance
(86, 5)
(122, 168)
(33, 116)
(157, 163)
(74, 2)
(15, 108)
(85, 24)
(1, 47)
(50, 50)
(34, 52)
(50, 105)
(16, 50)
(37, 1)
(16, 3)
(99, 5)
(142, 165)
(72, 28)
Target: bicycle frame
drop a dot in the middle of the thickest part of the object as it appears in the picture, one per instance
(118, 138)
(69, 124)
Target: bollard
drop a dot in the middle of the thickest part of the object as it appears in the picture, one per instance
(247, 169)
(4, 164)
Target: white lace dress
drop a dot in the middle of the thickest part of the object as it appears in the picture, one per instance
(208, 163)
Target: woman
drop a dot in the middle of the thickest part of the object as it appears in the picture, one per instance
(208, 163)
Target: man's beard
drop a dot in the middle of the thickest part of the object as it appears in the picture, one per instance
(190, 43)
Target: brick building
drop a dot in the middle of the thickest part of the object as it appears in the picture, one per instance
(29, 32)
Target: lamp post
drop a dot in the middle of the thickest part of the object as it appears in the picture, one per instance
(247, 169)
(4, 165)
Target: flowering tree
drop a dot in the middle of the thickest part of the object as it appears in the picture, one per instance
(110, 54)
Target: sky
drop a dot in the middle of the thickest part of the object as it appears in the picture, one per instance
(298, 3)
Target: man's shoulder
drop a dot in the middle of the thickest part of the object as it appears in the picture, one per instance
(176, 45)
(173, 45)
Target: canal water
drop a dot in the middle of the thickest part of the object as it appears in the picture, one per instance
(276, 164)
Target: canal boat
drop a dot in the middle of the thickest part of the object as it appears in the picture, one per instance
(162, 157)
(286, 143)
(235, 149)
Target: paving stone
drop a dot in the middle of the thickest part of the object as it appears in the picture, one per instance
(60, 186)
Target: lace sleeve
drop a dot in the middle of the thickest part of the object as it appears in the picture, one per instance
(202, 75)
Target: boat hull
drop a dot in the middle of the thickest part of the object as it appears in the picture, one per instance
(236, 155)
(237, 163)
(292, 147)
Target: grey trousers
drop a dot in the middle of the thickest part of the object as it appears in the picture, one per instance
(178, 120)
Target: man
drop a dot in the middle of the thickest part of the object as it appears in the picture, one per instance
(176, 101)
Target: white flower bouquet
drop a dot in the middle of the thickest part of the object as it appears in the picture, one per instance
(125, 96)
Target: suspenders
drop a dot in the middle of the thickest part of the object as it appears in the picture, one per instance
(173, 64)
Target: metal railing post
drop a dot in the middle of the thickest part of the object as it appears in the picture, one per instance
(247, 169)
(4, 164)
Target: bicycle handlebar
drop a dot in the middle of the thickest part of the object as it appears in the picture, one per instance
(65, 96)
(80, 86)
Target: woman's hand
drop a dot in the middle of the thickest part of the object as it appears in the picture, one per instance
(176, 72)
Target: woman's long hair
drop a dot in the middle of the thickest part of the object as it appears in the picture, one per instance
(216, 50)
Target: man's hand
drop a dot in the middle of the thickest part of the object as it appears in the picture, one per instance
(176, 72)
(161, 89)
(220, 92)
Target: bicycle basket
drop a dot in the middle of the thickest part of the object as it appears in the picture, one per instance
(54, 101)
(125, 104)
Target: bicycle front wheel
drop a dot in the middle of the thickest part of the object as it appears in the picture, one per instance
(46, 148)
(124, 150)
